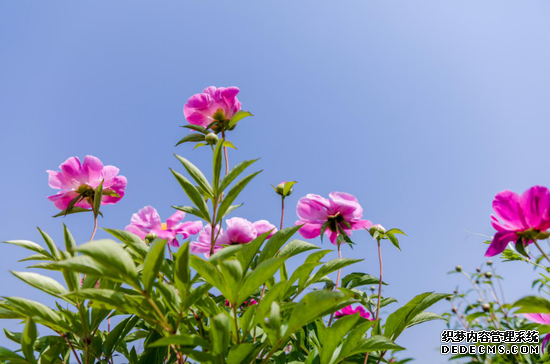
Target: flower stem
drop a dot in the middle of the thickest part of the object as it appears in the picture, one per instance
(212, 226)
(336, 285)
(380, 283)
(542, 251)
(95, 227)
(282, 212)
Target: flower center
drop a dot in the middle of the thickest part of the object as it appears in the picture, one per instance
(334, 221)
(164, 226)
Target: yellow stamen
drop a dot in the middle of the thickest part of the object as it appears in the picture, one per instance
(163, 226)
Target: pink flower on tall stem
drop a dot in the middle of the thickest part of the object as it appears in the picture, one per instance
(147, 220)
(77, 183)
(518, 217)
(348, 310)
(212, 104)
(341, 213)
(543, 319)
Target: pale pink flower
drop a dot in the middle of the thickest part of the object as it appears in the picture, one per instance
(202, 244)
(147, 220)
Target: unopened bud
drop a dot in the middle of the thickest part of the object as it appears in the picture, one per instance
(150, 237)
(458, 268)
(486, 307)
(478, 270)
(377, 228)
(372, 288)
(448, 298)
(455, 310)
(479, 300)
(488, 275)
(280, 189)
(489, 263)
(455, 291)
(211, 138)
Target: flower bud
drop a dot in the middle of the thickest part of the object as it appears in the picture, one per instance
(489, 263)
(486, 307)
(478, 270)
(543, 235)
(455, 291)
(377, 228)
(488, 275)
(448, 298)
(211, 138)
(150, 237)
(372, 288)
(458, 268)
(455, 310)
(280, 189)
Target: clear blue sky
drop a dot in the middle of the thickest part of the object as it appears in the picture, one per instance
(422, 109)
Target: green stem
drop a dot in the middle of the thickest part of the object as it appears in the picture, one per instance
(337, 282)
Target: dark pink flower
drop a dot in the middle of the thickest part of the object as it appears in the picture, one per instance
(202, 245)
(348, 310)
(201, 108)
(147, 220)
(343, 211)
(520, 216)
(78, 180)
(543, 319)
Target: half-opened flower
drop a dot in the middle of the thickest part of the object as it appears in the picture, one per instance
(524, 216)
(204, 240)
(543, 319)
(213, 104)
(348, 310)
(239, 231)
(147, 220)
(77, 183)
(341, 213)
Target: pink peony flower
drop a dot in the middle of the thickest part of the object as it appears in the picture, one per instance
(78, 182)
(543, 319)
(239, 231)
(521, 216)
(222, 101)
(202, 245)
(314, 211)
(348, 310)
(147, 220)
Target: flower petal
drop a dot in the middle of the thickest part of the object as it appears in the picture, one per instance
(499, 243)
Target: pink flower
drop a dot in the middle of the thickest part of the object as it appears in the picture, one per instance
(147, 220)
(540, 318)
(348, 310)
(78, 183)
(521, 216)
(202, 245)
(343, 209)
(263, 226)
(222, 101)
(239, 231)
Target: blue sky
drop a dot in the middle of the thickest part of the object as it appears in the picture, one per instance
(422, 109)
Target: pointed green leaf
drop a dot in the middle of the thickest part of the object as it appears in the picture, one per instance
(153, 262)
(193, 137)
(232, 195)
(197, 175)
(194, 195)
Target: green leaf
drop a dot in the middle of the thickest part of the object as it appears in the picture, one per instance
(98, 195)
(259, 276)
(393, 240)
(395, 231)
(117, 335)
(27, 340)
(132, 241)
(276, 242)
(288, 187)
(533, 304)
(353, 338)
(231, 209)
(217, 167)
(232, 195)
(184, 340)
(70, 244)
(358, 279)
(43, 283)
(313, 306)
(6, 354)
(239, 115)
(398, 320)
(198, 128)
(234, 173)
(232, 273)
(153, 262)
(220, 334)
(241, 353)
(209, 272)
(375, 343)
(113, 257)
(332, 266)
(249, 251)
(86, 265)
(191, 210)
(335, 334)
(193, 137)
(194, 195)
(29, 308)
(51, 245)
(295, 247)
(197, 175)
(182, 273)
(228, 144)
(30, 246)
(73, 210)
(424, 317)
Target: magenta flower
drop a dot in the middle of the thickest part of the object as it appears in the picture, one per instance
(341, 212)
(540, 318)
(348, 310)
(147, 220)
(522, 217)
(202, 245)
(220, 102)
(78, 182)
